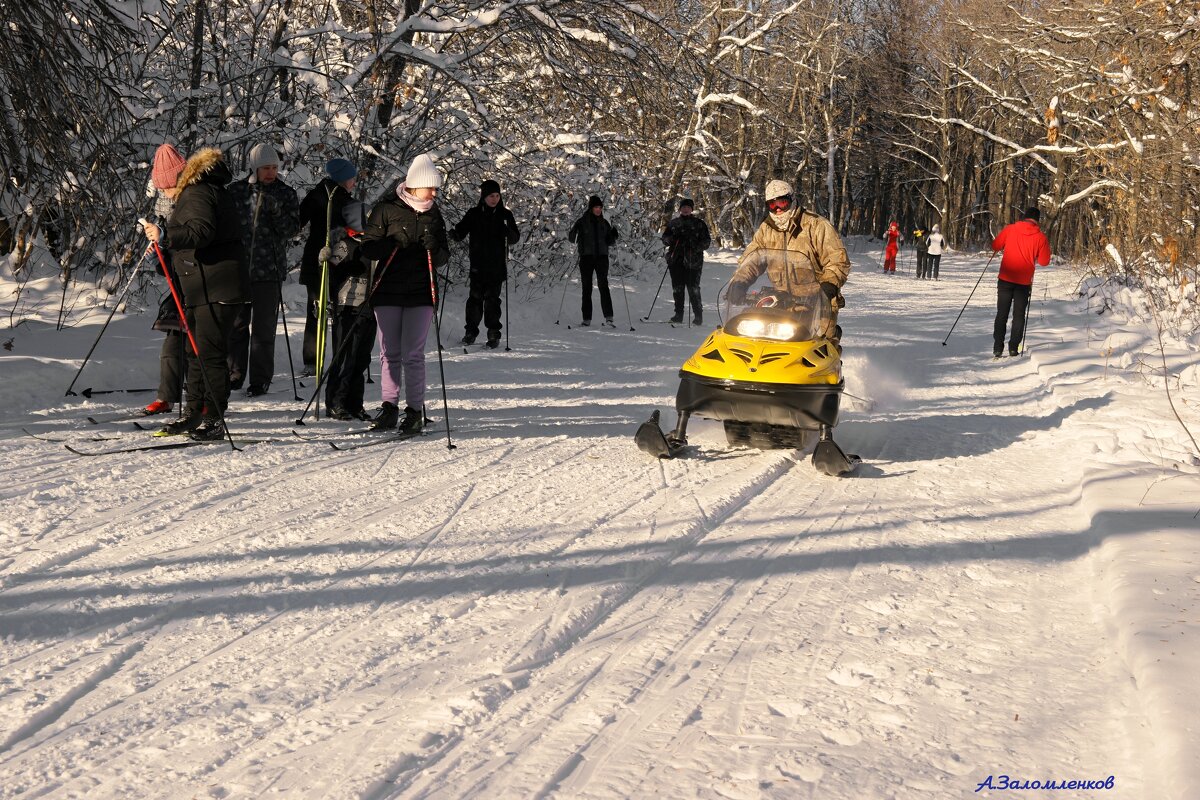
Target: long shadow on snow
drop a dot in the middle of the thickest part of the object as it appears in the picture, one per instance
(506, 574)
(950, 435)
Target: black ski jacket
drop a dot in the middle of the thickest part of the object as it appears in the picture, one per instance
(205, 231)
(593, 234)
(271, 217)
(490, 230)
(398, 238)
(325, 201)
(686, 239)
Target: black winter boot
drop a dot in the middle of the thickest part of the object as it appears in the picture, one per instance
(413, 421)
(211, 430)
(185, 424)
(386, 419)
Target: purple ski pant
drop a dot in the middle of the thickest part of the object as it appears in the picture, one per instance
(402, 335)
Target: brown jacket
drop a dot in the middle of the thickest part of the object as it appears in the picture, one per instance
(810, 235)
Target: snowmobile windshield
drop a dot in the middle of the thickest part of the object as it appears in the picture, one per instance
(784, 303)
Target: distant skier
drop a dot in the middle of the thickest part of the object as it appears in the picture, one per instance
(492, 229)
(937, 244)
(406, 235)
(894, 237)
(798, 231)
(1025, 248)
(594, 235)
(921, 242)
(686, 239)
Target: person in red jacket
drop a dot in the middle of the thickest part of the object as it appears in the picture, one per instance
(894, 237)
(1025, 248)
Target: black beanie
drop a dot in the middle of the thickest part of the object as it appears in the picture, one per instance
(488, 187)
(594, 201)
(687, 201)
(1033, 214)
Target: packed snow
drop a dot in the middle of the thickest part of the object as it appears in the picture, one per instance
(1006, 591)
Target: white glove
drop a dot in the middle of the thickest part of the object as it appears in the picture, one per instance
(325, 255)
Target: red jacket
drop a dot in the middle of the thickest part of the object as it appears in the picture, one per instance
(1025, 248)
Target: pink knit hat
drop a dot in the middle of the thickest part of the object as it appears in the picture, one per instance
(168, 163)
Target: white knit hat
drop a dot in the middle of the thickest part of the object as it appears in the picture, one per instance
(422, 174)
(263, 155)
(778, 189)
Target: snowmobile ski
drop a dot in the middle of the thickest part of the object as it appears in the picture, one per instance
(830, 459)
(651, 440)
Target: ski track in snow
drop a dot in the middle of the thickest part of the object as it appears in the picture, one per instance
(544, 612)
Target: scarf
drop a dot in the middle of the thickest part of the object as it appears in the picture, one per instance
(783, 219)
(420, 206)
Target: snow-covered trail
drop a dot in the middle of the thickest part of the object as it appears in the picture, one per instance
(546, 612)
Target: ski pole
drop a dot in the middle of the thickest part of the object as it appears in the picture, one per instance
(972, 294)
(187, 329)
(345, 340)
(287, 340)
(337, 359)
(564, 295)
(507, 348)
(628, 316)
(437, 328)
(88, 392)
(666, 269)
(104, 327)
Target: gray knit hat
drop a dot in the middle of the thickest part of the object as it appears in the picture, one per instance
(263, 155)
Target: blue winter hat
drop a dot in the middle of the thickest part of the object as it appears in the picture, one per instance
(340, 169)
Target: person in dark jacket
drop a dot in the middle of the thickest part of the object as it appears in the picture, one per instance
(353, 320)
(271, 217)
(321, 209)
(921, 242)
(205, 231)
(172, 359)
(686, 239)
(594, 236)
(406, 237)
(1025, 248)
(492, 229)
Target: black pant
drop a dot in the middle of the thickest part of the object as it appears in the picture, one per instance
(685, 280)
(252, 339)
(484, 303)
(922, 264)
(353, 342)
(172, 366)
(210, 326)
(599, 266)
(1016, 296)
(931, 264)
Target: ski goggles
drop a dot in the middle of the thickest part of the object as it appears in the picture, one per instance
(777, 204)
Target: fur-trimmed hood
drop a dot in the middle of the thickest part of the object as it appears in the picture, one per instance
(207, 163)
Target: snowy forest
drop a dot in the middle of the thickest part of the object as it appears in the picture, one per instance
(951, 112)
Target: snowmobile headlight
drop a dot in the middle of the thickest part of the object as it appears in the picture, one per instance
(783, 331)
(752, 328)
(758, 329)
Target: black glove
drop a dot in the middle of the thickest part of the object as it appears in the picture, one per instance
(830, 289)
(426, 235)
(737, 294)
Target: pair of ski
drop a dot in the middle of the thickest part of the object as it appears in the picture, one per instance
(341, 446)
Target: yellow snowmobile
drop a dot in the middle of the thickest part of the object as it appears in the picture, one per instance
(771, 373)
